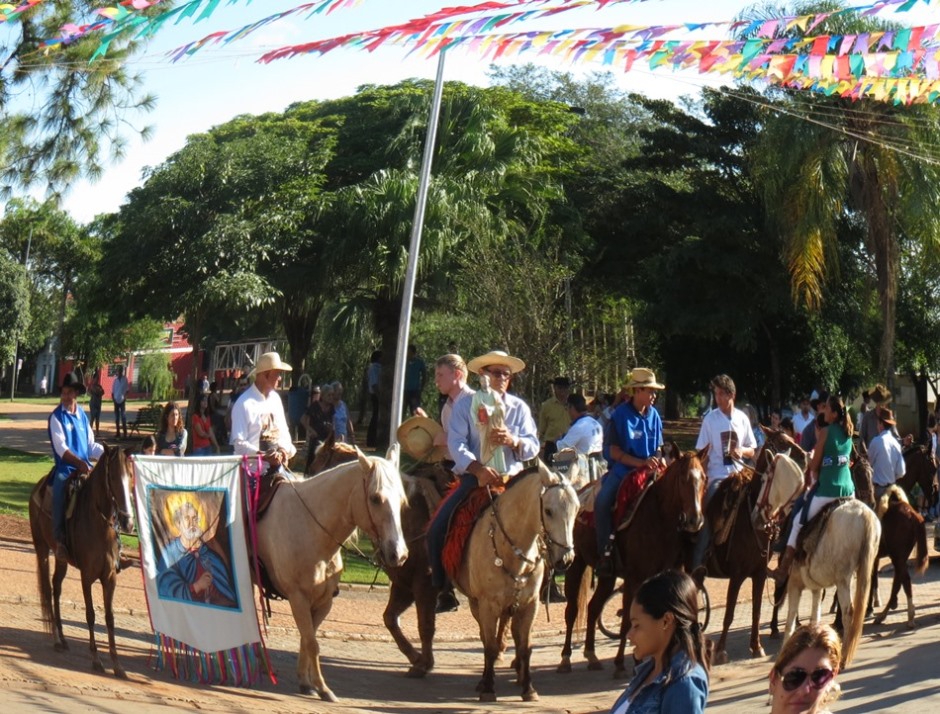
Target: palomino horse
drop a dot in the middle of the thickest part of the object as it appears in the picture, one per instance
(744, 554)
(410, 582)
(847, 547)
(505, 561)
(301, 533)
(102, 504)
(901, 529)
(652, 542)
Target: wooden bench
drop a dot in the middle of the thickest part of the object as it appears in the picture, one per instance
(147, 417)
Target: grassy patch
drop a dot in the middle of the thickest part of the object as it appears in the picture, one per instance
(19, 472)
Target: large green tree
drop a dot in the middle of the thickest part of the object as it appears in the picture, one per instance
(14, 305)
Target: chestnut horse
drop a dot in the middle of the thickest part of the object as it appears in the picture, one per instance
(768, 495)
(654, 541)
(920, 469)
(411, 581)
(103, 503)
(302, 531)
(530, 524)
(902, 528)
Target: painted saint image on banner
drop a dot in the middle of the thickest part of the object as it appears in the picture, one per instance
(193, 550)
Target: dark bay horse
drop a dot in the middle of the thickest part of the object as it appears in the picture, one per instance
(902, 528)
(921, 470)
(654, 541)
(411, 581)
(102, 505)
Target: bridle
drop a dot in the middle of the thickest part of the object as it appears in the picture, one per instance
(762, 507)
(117, 512)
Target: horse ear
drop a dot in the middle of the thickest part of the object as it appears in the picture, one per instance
(363, 460)
(703, 453)
(674, 452)
(394, 454)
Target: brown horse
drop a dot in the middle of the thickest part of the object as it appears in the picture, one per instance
(102, 505)
(902, 528)
(756, 510)
(920, 469)
(410, 582)
(653, 541)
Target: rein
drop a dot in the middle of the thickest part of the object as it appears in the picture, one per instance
(117, 513)
(521, 579)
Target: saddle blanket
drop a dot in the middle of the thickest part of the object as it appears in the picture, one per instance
(461, 526)
(628, 496)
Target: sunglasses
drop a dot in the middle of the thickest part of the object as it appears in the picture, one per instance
(503, 373)
(795, 678)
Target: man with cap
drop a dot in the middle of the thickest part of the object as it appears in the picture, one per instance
(553, 417)
(258, 422)
(73, 448)
(517, 440)
(871, 425)
(585, 434)
(631, 442)
(884, 454)
(728, 434)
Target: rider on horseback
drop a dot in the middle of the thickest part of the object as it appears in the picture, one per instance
(73, 448)
(632, 440)
(831, 461)
(516, 442)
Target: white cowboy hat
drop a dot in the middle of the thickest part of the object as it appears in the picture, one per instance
(416, 436)
(269, 361)
(495, 357)
(643, 377)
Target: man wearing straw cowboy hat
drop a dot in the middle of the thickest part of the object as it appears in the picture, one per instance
(633, 438)
(258, 422)
(517, 440)
(73, 448)
(880, 395)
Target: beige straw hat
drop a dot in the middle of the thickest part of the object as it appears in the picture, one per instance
(416, 436)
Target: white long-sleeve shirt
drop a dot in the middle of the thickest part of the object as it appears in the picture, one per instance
(585, 435)
(256, 418)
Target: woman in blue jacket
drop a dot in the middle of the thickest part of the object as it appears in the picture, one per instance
(673, 675)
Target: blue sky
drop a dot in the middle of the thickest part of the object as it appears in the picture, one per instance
(216, 85)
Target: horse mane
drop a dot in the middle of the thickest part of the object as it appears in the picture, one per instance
(385, 477)
(893, 493)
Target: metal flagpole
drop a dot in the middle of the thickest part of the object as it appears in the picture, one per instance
(404, 324)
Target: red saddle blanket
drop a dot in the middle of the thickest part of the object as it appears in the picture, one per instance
(631, 487)
(461, 526)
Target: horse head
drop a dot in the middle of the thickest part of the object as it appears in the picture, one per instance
(384, 498)
(781, 483)
(113, 472)
(559, 506)
(779, 442)
(862, 478)
(687, 477)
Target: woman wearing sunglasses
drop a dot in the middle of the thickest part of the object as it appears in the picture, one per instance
(664, 629)
(802, 680)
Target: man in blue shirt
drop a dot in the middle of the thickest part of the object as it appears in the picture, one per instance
(416, 374)
(633, 438)
(515, 441)
(884, 454)
(73, 448)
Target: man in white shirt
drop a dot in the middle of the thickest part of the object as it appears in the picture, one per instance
(258, 422)
(727, 431)
(585, 434)
(804, 417)
(884, 454)
(119, 389)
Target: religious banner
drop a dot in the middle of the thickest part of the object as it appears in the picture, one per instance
(197, 578)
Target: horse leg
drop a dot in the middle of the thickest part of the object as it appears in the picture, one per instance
(308, 618)
(90, 620)
(757, 590)
(620, 669)
(815, 613)
(905, 576)
(572, 588)
(107, 589)
(774, 627)
(605, 586)
(399, 600)
(734, 586)
(58, 636)
(521, 629)
(425, 597)
(501, 639)
(794, 592)
(488, 616)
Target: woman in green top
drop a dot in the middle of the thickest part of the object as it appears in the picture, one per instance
(831, 461)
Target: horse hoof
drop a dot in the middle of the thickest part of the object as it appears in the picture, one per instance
(416, 672)
(304, 689)
(564, 667)
(328, 696)
(595, 666)
(775, 635)
(98, 667)
(530, 696)
(487, 696)
(120, 673)
(621, 674)
(910, 625)
(61, 647)
(720, 658)
(759, 652)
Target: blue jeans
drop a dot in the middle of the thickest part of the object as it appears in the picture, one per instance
(203, 451)
(437, 530)
(59, 502)
(705, 535)
(604, 509)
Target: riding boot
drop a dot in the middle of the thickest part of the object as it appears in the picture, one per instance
(605, 564)
(550, 591)
(447, 599)
(61, 552)
(782, 572)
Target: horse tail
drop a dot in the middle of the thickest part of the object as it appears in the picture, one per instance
(922, 561)
(863, 578)
(584, 597)
(42, 560)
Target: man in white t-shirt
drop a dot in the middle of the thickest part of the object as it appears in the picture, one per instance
(259, 426)
(727, 431)
(804, 417)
